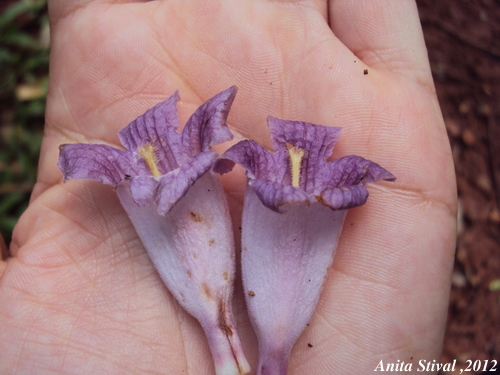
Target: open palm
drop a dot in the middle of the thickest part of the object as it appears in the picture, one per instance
(79, 294)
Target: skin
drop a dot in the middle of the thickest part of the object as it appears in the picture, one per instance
(79, 295)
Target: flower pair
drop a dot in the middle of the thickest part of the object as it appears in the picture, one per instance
(294, 207)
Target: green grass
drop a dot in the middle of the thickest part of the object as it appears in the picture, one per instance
(24, 61)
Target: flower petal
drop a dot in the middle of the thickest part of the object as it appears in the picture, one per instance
(157, 127)
(274, 195)
(285, 259)
(344, 180)
(256, 160)
(95, 162)
(344, 197)
(174, 185)
(207, 126)
(353, 170)
(142, 189)
(192, 249)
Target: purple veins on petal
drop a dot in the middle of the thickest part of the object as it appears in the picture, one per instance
(156, 131)
(155, 150)
(95, 162)
(207, 126)
(298, 170)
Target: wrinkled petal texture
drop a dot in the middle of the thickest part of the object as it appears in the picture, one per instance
(160, 163)
(317, 141)
(257, 161)
(207, 126)
(174, 185)
(338, 184)
(157, 127)
(96, 162)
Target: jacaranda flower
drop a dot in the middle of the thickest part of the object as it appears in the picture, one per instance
(295, 205)
(178, 208)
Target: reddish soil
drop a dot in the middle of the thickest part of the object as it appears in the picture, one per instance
(463, 39)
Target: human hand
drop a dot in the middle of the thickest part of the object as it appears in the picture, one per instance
(79, 294)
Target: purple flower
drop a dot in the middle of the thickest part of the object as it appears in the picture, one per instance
(178, 208)
(295, 205)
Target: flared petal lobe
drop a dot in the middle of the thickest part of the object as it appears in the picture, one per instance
(346, 179)
(95, 162)
(207, 126)
(257, 161)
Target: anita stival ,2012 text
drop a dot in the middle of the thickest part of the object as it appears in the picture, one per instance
(434, 366)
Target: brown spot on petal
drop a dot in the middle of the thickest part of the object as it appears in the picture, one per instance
(206, 291)
(188, 273)
(211, 242)
(320, 199)
(195, 217)
(251, 293)
(225, 276)
(310, 345)
(226, 328)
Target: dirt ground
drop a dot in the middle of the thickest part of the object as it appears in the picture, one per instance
(464, 50)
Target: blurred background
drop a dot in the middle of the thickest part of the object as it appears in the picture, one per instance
(24, 63)
(463, 40)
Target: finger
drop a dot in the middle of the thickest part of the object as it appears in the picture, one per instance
(384, 34)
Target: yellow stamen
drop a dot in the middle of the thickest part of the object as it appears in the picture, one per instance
(147, 152)
(296, 154)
